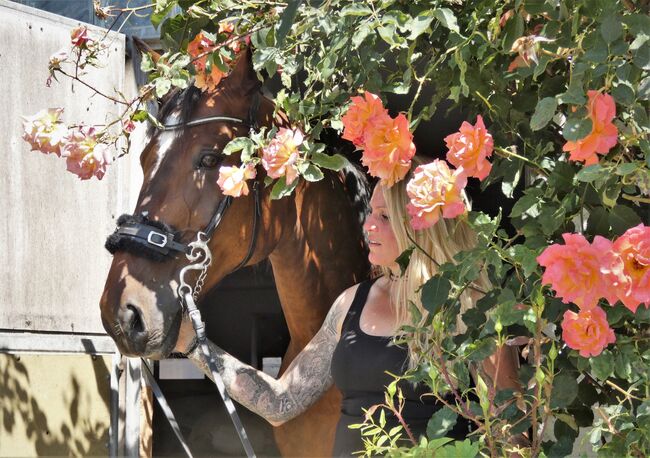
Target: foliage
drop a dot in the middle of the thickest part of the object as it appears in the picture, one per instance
(526, 66)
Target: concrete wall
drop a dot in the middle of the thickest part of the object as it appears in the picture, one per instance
(54, 405)
(53, 264)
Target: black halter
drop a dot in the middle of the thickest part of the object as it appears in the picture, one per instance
(158, 241)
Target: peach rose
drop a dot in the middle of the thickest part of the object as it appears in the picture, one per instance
(280, 156)
(93, 163)
(388, 148)
(470, 147)
(232, 180)
(360, 112)
(574, 270)
(587, 331)
(44, 131)
(603, 135)
(633, 248)
(434, 191)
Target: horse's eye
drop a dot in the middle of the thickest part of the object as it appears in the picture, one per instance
(209, 161)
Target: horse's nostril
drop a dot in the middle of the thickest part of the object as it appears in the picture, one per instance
(133, 320)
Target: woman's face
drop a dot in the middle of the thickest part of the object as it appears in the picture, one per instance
(381, 238)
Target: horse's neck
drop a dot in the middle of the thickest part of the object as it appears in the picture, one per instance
(319, 258)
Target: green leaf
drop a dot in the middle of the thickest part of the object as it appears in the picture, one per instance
(598, 222)
(565, 390)
(447, 18)
(464, 449)
(576, 129)
(590, 173)
(404, 258)
(544, 112)
(602, 366)
(312, 173)
(419, 24)
(441, 422)
(237, 144)
(530, 201)
(286, 20)
(147, 65)
(356, 9)
(481, 349)
(611, 28)
(335, 162)
(281, 189)
(162, 9)
(622, 218)
(435, 293)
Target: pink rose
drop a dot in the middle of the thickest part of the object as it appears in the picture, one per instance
(93, 163)
(232, 180)
(603, 135)
(44, 131)
(575, 270)
(358, 116)
(280, 156)
(587, 331)
(80, 37)
(434, 191)
(633, 249)
(389, 148)
(470, 147)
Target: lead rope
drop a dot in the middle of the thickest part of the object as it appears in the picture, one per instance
(200, 258)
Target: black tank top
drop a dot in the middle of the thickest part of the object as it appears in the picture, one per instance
(359, 368)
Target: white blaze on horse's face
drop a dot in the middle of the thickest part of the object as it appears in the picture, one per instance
(165, 141)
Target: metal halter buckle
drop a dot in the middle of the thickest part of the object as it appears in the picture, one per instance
(162, 241)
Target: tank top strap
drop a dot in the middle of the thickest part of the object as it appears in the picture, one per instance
(351, 321)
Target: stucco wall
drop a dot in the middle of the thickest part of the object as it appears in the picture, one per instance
(53, 264)
(54, 405)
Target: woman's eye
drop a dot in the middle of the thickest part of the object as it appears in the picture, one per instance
(209, 161)
(384, 217)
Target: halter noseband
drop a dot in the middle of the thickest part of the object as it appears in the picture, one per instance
(156, 240)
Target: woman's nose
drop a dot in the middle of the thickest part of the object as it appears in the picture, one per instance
(369, 226)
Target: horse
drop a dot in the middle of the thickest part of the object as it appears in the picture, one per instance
(313, 238)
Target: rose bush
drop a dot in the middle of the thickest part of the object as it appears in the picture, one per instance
(559, 93)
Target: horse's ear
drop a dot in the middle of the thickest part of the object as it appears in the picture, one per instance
(243, 76)
(143, 47)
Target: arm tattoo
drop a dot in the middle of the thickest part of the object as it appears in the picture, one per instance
(278, 400)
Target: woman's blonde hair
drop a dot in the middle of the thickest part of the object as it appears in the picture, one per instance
(441, 242)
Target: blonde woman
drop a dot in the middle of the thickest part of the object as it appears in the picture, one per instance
(354, 348)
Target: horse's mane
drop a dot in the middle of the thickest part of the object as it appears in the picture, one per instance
(358, 190)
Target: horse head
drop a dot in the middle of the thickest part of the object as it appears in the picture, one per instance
(140, 306)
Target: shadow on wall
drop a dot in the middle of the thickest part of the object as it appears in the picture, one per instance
(48, 409)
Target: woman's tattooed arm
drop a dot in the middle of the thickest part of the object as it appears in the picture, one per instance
(302, 384)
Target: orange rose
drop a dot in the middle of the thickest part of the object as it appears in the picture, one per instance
(576, 270)
(435, 191)
(587, 331)
(470, 147)
(603, 135)
(633, 248)
(360, 112)
(388, 148)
